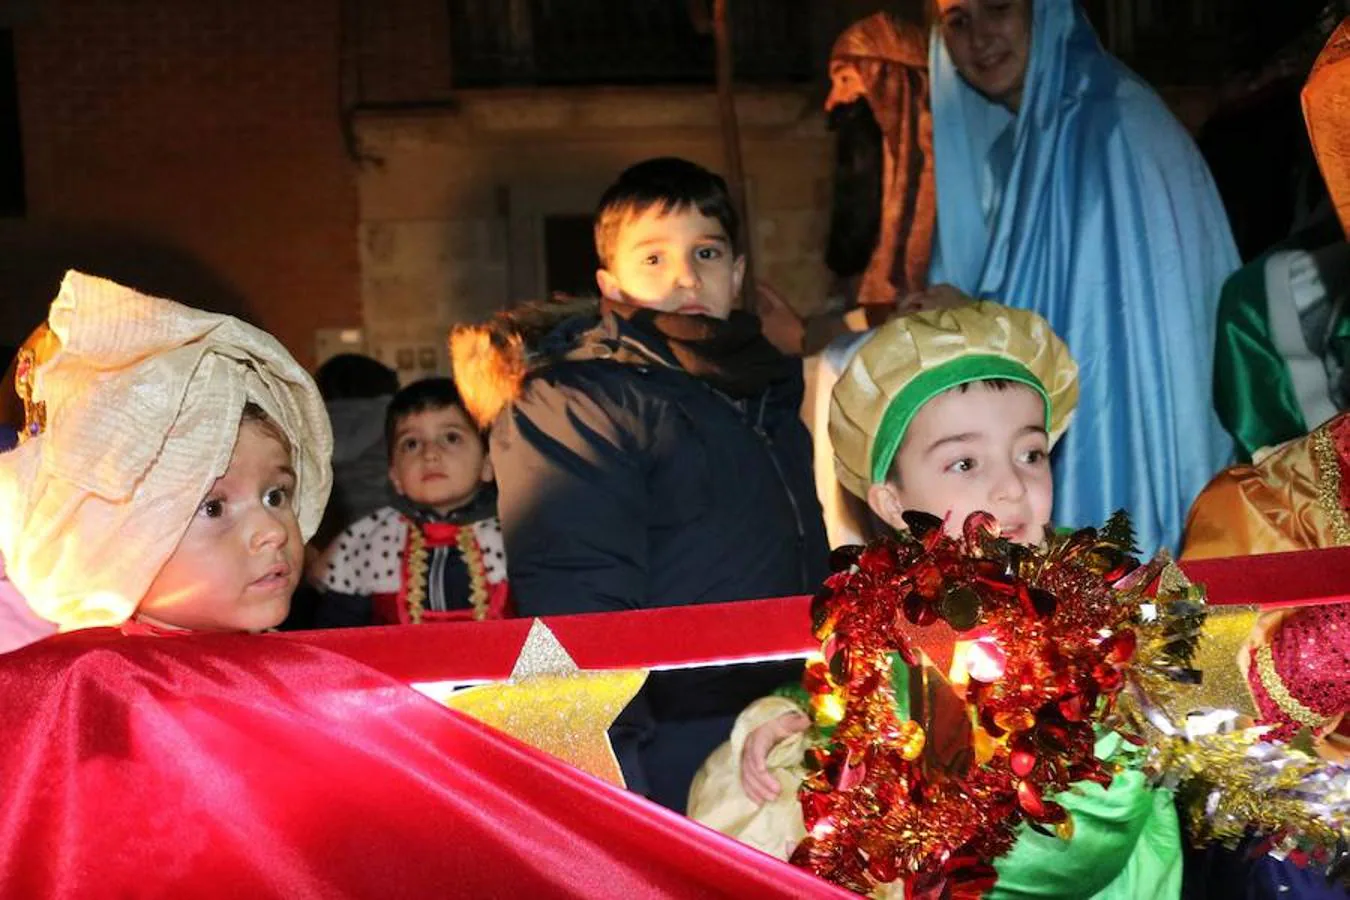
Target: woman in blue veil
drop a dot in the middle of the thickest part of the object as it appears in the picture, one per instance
(1064, 185)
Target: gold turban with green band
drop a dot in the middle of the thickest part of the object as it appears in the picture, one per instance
(143, 401)
(911, 359)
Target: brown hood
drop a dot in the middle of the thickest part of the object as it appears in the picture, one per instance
(891, 58)
(883, 37)
(490, 360)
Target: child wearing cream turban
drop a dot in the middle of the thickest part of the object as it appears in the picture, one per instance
(950, 412)
(183, 459)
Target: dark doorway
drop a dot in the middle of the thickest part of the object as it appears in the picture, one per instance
(12, 201)
(569, 256)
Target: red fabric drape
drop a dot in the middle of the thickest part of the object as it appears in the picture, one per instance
(304, 766)
(691, 635)
(228, 766)
(1302, 578)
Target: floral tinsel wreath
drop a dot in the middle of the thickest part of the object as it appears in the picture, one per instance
(1056, 634)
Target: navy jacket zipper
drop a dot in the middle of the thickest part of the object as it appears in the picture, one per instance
(757, 426)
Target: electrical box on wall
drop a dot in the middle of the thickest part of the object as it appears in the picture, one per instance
(411, 359)
(414, 360)
(330, 342)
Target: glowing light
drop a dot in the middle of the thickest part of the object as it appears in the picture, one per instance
(986, 661)
(829, 709)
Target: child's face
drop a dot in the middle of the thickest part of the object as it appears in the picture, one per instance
(438, 459)
(240, 560)
(977, 450)
(679, 261)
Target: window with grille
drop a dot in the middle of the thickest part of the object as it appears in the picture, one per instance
(12, 201)
(579, 42)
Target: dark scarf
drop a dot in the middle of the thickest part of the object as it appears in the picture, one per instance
(482, 506)
(732, 356)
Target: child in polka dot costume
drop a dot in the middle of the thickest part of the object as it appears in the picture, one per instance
(436, 554)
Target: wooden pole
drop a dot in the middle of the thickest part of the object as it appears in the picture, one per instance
(731, 140)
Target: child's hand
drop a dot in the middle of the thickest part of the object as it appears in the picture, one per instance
(759, 785)
(779, 321)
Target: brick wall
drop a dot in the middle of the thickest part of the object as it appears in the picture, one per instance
(192, 148)
(400, 51)
(196, 149)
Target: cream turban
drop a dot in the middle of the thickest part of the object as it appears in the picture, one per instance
(143, 402)
(911, 359)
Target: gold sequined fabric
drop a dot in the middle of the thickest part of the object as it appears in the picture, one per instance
(1279, 692)
(1329, 493)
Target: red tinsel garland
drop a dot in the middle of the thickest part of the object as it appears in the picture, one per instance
(1053, 632)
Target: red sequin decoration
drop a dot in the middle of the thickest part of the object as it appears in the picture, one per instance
(873, 812)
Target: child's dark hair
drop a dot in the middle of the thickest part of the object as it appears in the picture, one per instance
(994, 384)
(420, 396)
(669, 184)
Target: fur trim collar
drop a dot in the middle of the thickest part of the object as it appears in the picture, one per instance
(491, 360)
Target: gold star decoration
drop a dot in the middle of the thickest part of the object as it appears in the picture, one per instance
(1222, 685)
(553, 706)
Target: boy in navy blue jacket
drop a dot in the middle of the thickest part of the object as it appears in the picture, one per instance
(651, 453)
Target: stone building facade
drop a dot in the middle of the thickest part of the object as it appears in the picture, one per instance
(320, 167)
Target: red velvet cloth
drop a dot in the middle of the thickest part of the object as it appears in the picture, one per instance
(236, 766)
(1300, 578)
(304, 766)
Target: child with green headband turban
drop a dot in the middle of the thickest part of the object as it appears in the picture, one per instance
(954, 411)
(951, 412)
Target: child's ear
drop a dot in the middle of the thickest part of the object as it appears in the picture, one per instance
(884, 500)
(738, 276)
(395, 480)
(609, 285)
(488, 475)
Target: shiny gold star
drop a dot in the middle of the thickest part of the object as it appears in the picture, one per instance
(552, 705)
(1222, 685)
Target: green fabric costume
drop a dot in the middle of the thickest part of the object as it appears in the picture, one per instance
(1126, 843)
(1283, 342)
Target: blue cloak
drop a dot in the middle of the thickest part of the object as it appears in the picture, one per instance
(1093, 207)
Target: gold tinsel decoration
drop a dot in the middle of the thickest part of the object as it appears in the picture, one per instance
(417, 573)
(467, 544)
(1231, 784)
